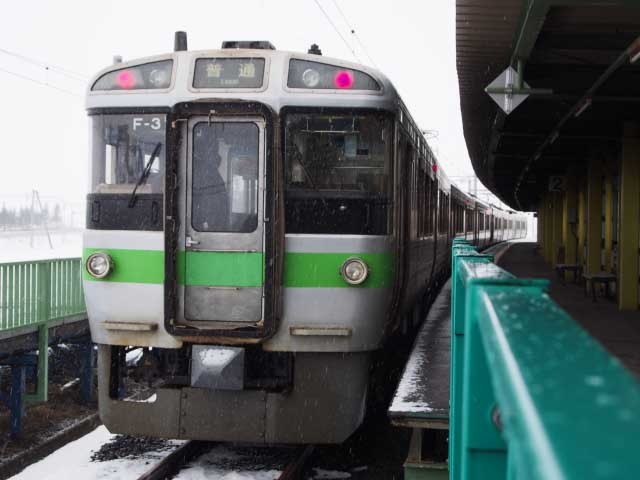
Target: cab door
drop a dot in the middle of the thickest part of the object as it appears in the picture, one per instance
(224, 220)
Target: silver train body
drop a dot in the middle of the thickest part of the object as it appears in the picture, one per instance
(260, 231)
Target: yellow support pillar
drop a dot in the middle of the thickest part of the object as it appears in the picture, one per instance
(608, 218)
(569, 222)
(594, 216)
(548, 228)
(540, 227)
(542, 235)
(629, 218)
(582, 220)
(557, 228)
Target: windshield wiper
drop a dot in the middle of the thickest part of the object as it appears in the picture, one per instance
(145, 173)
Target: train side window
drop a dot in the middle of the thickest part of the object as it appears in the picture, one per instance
(433, 207)
(446, 213)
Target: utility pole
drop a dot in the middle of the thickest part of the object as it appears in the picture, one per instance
(35, 197)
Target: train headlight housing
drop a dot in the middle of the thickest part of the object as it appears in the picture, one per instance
(99, 265)
(146, 76)
(311, 77)
(354, 271)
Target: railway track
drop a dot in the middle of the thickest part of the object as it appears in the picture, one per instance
(170, 466)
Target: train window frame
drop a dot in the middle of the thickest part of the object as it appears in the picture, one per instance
(131, 219)
(132, 64)
(230, 54)
(388, 116)
(228, 185)
(161, 159)
(330, 91)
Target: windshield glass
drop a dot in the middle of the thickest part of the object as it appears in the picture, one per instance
(337, 171)
(122, 146)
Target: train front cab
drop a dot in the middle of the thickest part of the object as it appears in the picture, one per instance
(224, 275)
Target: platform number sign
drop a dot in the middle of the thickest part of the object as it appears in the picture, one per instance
(557, 183)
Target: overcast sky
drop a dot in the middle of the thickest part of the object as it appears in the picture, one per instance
(43, 131)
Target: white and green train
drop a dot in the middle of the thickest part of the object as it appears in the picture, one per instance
(260, 222)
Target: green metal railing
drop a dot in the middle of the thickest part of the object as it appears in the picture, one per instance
(533, 396)
(37, 292)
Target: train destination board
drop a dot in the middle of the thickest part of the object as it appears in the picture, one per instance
(228, 73)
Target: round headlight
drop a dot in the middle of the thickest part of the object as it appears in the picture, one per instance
(99, 264)
(354, 271)
(311, 77)
(159, 78)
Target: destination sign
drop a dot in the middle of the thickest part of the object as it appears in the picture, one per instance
(229, 73)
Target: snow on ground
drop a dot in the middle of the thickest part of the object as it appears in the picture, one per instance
(405, 399)
(225, 463)
(24, 246)
(73, 461)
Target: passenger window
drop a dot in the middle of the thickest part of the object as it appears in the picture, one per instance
(224, 196)
(337, 173)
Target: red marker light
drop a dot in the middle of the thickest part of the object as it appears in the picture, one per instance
(125, 79)
(343, 79)
(434, 167)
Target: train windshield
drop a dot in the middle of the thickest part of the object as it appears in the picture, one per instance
(128, 154)
(337, 173)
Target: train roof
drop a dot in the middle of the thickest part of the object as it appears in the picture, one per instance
(273, 92)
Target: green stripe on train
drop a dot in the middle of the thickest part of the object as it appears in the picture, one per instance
(130, 266)
(220, 269)
(305, 270)
(233, 269)
(323, 269)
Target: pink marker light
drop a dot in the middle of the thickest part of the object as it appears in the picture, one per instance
(343, 79)
(125, 79)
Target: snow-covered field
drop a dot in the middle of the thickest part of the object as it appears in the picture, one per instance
(73, 461)
(23, 246)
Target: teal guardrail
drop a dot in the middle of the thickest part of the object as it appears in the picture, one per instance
(533, 395)
(36, 292)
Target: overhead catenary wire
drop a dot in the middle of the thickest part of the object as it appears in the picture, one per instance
(41, 83)
(355, 35)
(79, 77)
(344, 40)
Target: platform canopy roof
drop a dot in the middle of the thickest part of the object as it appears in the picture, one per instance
(576, 57)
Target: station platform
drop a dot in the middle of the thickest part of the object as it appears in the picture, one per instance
(422, 397)
(618, 331)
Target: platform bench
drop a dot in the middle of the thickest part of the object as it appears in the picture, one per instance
(421, 401)
(560, 268)
(604, 278)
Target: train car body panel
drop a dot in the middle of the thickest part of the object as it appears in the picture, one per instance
(282, 206)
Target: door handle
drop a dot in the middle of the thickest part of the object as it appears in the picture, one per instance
(189, 242)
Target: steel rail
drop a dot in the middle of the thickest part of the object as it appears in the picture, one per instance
(173, 463)
(170, 465)
(293, 470)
